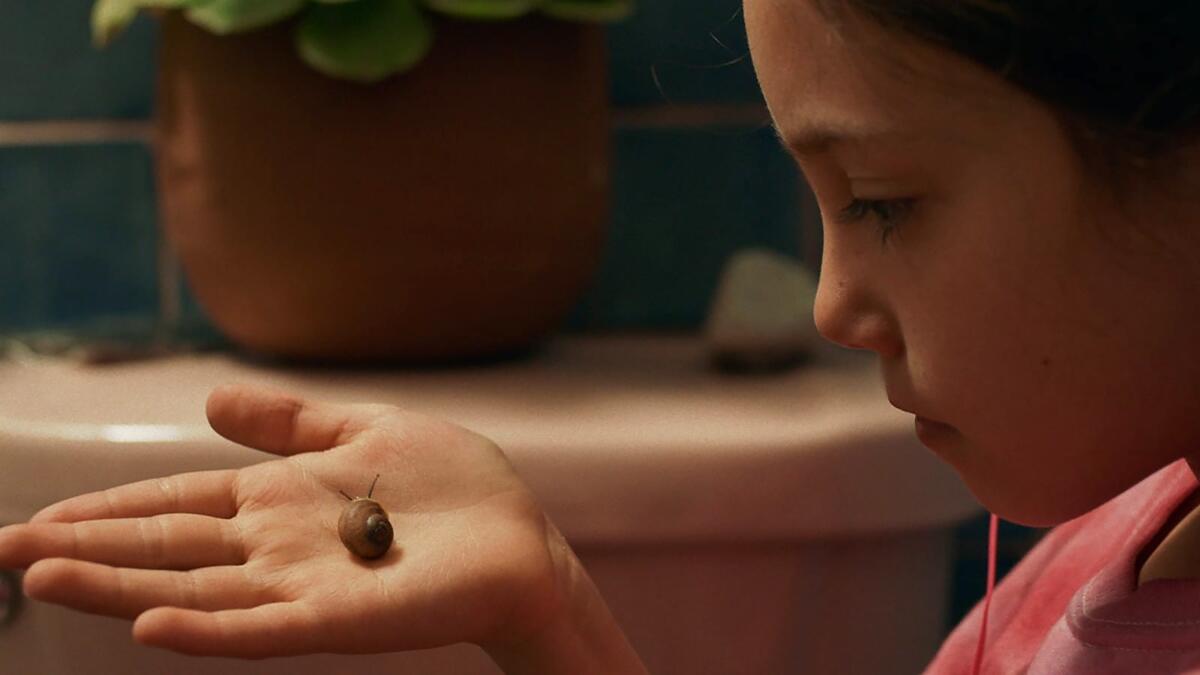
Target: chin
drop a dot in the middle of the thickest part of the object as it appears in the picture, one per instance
(1042, 486)
(1032, 506)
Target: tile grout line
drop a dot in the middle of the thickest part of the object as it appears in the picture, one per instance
(660, 116)
(70, 132)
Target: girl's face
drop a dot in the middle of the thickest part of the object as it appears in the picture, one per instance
(965, 244)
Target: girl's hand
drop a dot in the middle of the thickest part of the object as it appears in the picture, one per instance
(248, 562)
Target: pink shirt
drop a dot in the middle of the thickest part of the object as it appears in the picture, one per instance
(1072, 605)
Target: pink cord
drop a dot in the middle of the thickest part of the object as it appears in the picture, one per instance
(987, 602)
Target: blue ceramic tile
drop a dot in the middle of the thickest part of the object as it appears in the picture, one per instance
(77, 228)
(49, 69)
(683, 201)
(681, 51)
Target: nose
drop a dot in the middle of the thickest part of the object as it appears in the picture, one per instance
(848, 313)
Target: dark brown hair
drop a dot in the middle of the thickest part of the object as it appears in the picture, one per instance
(1123, 76)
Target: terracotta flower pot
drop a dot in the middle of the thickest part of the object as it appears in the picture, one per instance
(453, 212)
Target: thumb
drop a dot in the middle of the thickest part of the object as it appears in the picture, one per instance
(270, 419)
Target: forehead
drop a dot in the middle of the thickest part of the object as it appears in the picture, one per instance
(855, 78)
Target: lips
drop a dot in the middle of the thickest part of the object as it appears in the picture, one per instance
(898, 406)
(933, 424)
(931, 432)
(928, 421)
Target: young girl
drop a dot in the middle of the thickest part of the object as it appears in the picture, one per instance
(1012, 223)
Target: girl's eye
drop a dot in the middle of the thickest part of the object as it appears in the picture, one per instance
(888, 213)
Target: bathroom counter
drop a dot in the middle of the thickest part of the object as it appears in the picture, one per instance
(614, 433)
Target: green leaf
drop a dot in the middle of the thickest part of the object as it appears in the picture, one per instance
(588, 10)
(110, 17)
(484, 10)
(232, 16)
(366, 40)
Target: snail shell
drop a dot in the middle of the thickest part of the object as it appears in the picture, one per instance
(365, 529)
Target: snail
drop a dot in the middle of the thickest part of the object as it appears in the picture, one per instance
(364, 526)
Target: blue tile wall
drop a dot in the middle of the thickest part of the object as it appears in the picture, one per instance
(683, 201)
(677, 51)
(77, 233)
(49, 69)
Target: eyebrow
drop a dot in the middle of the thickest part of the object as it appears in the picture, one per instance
(815, 138)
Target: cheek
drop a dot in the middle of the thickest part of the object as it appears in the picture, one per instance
(999, 320)
(1038, 351)
(985, 334)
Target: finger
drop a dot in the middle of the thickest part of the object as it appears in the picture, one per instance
(275, 421)
(125, 593)
(173, 541)
(204, 492)
(276, 629)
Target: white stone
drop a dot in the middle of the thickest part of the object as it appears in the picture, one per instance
(761, 316)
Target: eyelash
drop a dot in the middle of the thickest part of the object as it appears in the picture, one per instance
(890, 213)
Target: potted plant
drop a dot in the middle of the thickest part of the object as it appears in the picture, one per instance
(367, 180)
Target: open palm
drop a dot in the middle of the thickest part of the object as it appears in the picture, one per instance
(248, 562)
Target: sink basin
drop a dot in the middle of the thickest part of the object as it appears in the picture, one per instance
(667, 477)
